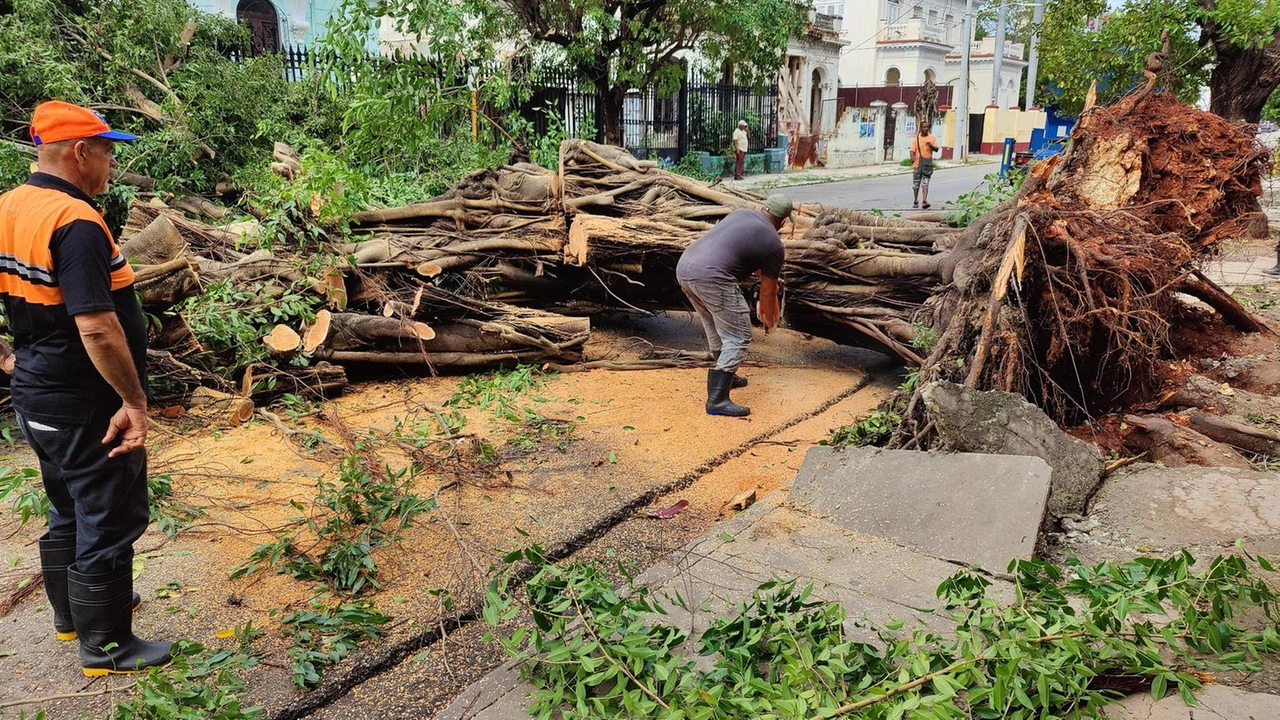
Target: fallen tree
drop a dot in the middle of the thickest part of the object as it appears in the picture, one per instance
(1065, 293)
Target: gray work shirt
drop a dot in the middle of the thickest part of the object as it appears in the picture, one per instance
(742, 243)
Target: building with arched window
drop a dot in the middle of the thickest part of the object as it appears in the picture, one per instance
(275, 23)
(905, 42)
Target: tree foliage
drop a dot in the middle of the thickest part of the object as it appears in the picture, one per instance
(1211, 44)
(200, 114)
(616, 45)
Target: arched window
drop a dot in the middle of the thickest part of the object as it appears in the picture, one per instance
(893, 76)
(929, 75)
(264, 25)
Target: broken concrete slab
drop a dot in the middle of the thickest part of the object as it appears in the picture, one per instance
(1213, 701)
(984, 510)
(870, 577)
(1006, 424)
(1154, 509)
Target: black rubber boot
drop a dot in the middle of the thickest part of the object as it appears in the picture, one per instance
(55, 557)
(718, 402)
(102, 608)
(1275, 270)
(738, 380)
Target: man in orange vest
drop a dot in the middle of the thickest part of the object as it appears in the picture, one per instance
(79, 382)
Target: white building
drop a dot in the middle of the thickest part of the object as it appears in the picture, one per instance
(810, 76)
(273, 23)
(905, 42)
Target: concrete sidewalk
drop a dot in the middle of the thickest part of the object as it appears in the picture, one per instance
(815, 536)
(816, 175)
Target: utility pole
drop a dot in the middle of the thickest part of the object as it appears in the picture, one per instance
(997, 75)
(962, 92)
(1033, 62)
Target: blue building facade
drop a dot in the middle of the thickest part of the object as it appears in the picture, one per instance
(276, 23)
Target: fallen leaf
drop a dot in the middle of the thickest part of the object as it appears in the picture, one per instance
(229, 632)
(667, 513)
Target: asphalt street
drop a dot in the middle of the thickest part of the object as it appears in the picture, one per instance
(892, 193)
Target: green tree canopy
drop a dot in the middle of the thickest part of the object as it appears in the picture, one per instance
(1232, 46)
(155, 67)
(615, 45)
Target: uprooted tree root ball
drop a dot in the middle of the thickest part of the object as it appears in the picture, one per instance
(1065, 294)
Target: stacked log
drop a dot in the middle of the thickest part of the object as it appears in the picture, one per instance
(381, 306)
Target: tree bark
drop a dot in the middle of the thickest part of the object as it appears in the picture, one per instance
(1242, 79)
(610, 100)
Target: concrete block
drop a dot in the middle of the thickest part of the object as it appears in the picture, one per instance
(979, 509)
(1215, 701)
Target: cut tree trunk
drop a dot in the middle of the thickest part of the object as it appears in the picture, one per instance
(164, 269)
(352, 331)
(283, 341)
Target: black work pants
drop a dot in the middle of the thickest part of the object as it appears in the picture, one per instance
(99, 501)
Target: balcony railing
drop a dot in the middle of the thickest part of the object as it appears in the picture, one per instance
(828, 23)
(914, 29)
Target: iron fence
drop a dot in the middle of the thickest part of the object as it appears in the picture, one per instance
(697, 116)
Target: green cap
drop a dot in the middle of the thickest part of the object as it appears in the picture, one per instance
(778, 205)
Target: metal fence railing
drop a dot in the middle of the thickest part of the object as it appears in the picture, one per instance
(697, 116)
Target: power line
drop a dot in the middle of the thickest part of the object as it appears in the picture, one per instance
(877, 33)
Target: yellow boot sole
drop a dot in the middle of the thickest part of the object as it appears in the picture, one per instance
(102, 672)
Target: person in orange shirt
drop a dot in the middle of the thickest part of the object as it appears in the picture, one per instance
(922, 150)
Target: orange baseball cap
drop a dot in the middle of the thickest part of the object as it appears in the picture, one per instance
(55, 121)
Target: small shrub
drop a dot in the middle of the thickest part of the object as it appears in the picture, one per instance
(972, 205)
(499, 392)
(200, 684)
(364, 512)
(324, 636)
(1047, 649)
(691, 166)
(22, 488)
(874, 429)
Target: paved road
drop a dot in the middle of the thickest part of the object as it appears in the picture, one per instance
(891, 193)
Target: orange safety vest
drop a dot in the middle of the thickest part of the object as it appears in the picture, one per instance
(29, 218)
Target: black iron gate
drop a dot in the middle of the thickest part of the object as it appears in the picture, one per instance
(890, 132)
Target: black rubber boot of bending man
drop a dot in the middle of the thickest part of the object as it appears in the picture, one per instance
(1274, 270)
(738, 380)
(718, 402)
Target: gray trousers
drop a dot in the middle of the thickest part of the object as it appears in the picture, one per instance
(726, 319)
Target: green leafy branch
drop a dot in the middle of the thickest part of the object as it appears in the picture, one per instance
(324, 636)
(1058, 647)
(365, 511)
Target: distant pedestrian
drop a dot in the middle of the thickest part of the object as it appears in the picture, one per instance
(743, 244)
(922, 150)
(79, 382)
(740, 145)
